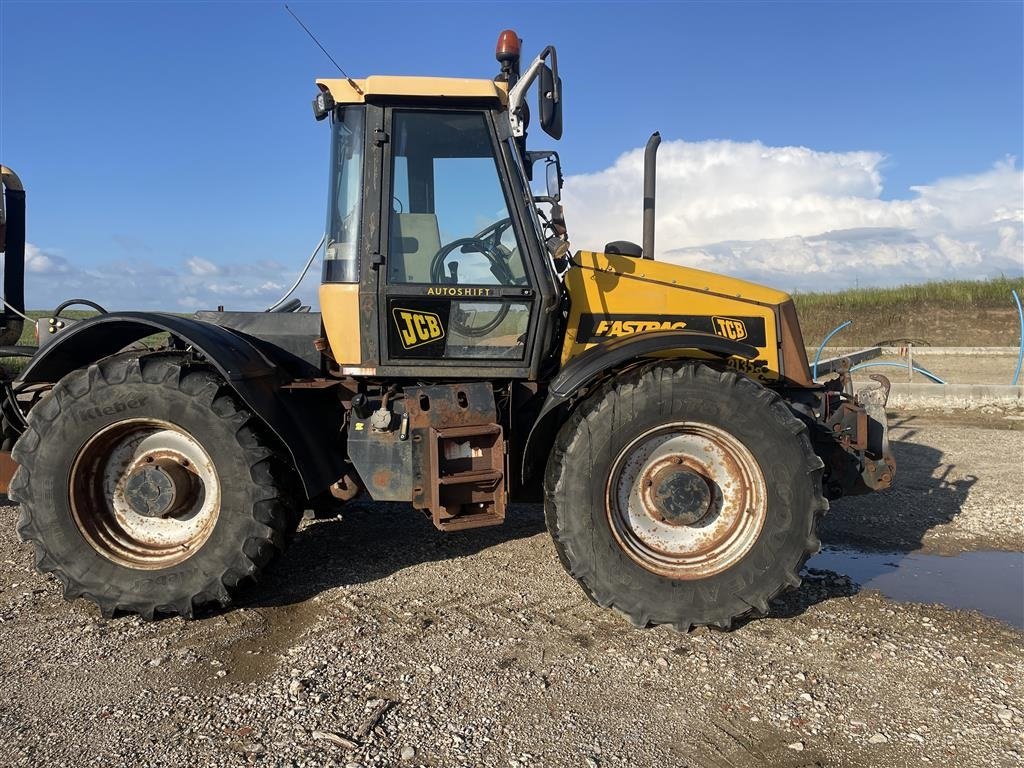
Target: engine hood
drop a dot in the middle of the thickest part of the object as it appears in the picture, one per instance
(613, 296)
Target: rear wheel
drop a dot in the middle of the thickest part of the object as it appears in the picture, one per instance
(680, 494)
(147, 488)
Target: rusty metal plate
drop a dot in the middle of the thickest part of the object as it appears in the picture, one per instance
(7, 470)
(450, 405)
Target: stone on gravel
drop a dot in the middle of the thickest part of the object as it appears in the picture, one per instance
(335, 739)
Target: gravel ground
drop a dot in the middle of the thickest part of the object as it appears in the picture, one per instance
(379, 641)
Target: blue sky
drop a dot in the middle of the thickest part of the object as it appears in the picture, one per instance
(170, 154)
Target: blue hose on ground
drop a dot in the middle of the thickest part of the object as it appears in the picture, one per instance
(922, 371)
(1020, 353)
(817, 356)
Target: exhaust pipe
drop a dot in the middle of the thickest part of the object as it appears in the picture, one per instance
(12, 243)
(650, 173)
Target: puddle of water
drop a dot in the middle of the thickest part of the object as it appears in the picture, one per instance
(985, 581)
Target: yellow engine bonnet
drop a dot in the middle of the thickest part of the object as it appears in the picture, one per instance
(613, 296)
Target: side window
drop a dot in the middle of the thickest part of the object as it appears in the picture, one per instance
(450, 222)
(346, 197)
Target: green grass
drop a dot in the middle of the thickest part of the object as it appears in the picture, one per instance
(948, 313)
(951, 294)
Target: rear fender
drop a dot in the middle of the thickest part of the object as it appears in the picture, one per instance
(306, 421)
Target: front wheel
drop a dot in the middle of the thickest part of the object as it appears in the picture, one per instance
(680, 494)
(147, 488)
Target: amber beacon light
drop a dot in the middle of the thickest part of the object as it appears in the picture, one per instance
(508, 46)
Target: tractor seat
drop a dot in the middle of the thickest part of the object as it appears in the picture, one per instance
(415, 239)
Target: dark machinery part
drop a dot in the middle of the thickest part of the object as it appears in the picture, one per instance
(850, 434)
(650, 183)
(12, 243)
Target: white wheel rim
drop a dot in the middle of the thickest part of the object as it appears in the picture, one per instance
(716, 530)
(120, 484)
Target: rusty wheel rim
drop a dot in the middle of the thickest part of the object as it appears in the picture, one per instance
(144, 493)
(686, 500)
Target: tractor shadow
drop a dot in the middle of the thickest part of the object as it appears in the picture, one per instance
(928, 492)
(371, 541)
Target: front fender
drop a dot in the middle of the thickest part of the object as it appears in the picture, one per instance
(306, 421)
(602, 360)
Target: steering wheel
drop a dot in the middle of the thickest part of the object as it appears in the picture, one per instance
(499, 268)
(492, 233)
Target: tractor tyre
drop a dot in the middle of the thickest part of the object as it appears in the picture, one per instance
(685, 495)
(146, 487)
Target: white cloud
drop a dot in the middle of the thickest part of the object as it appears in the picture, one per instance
(201, 267)
(789, 215)
(38, 261)
(194, 283)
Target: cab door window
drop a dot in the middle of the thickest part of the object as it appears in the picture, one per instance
(450, 222)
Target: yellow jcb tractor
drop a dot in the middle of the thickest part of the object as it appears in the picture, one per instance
(463, 358)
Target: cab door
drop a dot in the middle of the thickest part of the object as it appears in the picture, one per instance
(458, 289)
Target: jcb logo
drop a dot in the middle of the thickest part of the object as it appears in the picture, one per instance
(615, 328)
(730, 328)
(416, 327)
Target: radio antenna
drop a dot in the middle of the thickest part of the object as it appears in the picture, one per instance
(313, 38)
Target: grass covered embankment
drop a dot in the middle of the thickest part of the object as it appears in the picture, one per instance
(953, 313)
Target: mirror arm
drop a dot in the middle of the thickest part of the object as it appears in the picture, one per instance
(518, 93)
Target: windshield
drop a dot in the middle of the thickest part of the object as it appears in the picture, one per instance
(341, 259)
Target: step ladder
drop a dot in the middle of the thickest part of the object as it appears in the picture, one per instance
(466, 476)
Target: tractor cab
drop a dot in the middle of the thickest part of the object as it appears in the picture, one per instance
(437, 258)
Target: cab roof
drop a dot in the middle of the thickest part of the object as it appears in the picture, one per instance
(415, 87)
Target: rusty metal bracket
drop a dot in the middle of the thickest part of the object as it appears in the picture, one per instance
(7, 470)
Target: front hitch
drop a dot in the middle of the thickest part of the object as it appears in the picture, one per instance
(853, 438)
(879, 464)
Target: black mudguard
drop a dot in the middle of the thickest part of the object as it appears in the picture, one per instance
(603, 360)
(306, 421)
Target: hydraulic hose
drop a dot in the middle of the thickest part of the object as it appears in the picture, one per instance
(73, 302)
(1020, 351)
(817, 356)
(922, 371)
(273, 307)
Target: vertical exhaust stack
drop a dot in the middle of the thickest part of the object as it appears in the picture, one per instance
(650, 177)
(12, 243)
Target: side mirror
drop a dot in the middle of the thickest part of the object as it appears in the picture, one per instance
(323, 104)
(549, 101)
(553, 172)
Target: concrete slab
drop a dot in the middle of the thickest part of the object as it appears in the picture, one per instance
(904, 395)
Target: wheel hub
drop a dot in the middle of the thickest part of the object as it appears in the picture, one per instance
(676, 494)
(159, 489)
